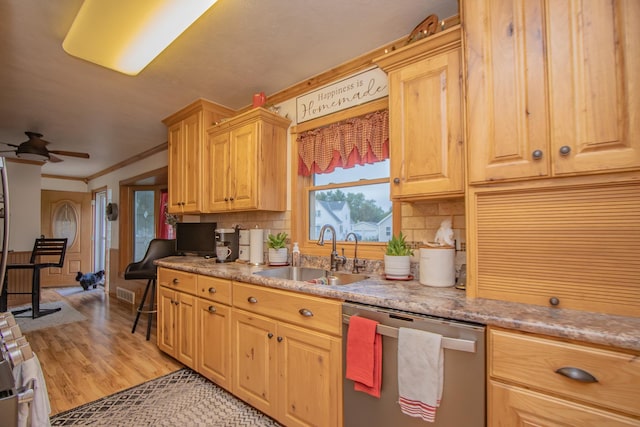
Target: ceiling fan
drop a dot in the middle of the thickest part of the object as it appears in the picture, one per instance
(36, 149)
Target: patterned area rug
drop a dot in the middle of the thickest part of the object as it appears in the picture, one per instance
(68, 314)
(182, 398)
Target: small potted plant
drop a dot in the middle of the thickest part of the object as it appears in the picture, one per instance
(277, 248)
(397, 258)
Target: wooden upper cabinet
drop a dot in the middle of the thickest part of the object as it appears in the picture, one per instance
(551, 88)
(186, 134)
(425, 114)
(245, 163)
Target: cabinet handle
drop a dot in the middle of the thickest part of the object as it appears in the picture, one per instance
(231, 199)
(554, 301)
(577, 374)
(212, 309)
(226, 199)
(306, 312)
(565, 150)
(252, 300)
(396, 180)
(537, 154)
(279, 339)
(212, 290)
(270, 335)
(175, 281)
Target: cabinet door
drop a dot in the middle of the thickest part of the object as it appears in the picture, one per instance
(176, 148)
(218, 171)
(310, 383)
(254, 358)
(167, 320)
(214, 344)
(191, 164)
(508, 129)
(594, 57)
(244, 148)
(427, 150)
(511, 406)
(185, 331)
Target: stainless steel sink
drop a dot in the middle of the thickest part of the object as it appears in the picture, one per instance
(342, 278)
(306, 274)
(303, 274)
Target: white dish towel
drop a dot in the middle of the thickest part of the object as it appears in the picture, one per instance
(420, 372)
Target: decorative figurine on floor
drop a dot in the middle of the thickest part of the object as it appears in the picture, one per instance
(90, 279)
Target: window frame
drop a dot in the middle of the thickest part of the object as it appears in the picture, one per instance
(302, 185)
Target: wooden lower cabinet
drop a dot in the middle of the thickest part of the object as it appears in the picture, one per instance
(213, 343)
(289, 372)
(176, 325)
(511, 406)
(526, 385)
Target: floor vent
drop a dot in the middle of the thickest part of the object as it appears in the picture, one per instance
(126, 295)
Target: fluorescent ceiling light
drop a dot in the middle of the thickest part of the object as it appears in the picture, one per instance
(126, 35)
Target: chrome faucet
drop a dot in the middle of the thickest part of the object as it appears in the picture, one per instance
(335, 258)
(357, 264)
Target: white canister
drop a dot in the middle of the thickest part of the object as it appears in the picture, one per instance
(437, 266)
(243, 252)
(244, 238)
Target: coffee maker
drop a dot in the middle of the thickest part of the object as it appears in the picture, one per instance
(226, 244)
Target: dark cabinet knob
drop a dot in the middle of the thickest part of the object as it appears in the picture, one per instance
(270, 335)
(537, 154)
(279, 339)
(231, 199)
(212, 290)
(252, 300)
(565, 150)
(226, 199)
(396, 180)
(212, 309)
(306, 312)
(554, 301)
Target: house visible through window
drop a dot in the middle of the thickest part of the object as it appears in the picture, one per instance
(352, 200)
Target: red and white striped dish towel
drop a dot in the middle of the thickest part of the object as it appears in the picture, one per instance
(420, 372)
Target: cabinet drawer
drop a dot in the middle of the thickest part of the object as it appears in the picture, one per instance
(177, 280)
(215, 289)
(532, 361)
(304, 310)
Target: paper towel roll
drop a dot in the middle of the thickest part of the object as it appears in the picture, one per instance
(256, 245)
(437, 266)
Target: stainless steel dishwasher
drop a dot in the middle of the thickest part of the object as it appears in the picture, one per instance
(463, 397)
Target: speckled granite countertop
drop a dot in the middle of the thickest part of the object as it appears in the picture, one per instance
(617, 331)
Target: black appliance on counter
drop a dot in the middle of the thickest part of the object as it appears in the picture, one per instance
(196, 238)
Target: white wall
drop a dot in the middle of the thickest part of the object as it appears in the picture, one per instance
(112, 182)
(57, 184)
(24, 205)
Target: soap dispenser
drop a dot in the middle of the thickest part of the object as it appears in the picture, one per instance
(295, 255)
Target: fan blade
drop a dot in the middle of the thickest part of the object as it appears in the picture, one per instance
(10, 145)
(54, 159)
(70, 153)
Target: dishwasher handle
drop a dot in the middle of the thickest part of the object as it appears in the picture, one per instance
(458, 344)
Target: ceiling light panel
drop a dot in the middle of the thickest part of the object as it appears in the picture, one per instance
(126, 35)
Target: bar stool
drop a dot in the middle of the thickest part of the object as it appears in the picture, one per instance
(146, 269)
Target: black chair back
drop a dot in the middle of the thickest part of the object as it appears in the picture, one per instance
(145, 268)
(49, 252)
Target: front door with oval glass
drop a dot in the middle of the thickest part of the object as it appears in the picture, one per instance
(67, 214)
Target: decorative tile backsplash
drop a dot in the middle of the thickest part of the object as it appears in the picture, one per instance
(420, 222)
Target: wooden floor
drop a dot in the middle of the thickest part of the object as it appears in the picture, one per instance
(84, 361)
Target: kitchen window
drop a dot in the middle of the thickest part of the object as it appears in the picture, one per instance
(346, 187)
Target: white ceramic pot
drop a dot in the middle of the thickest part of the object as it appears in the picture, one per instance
(278, 256)
(397, 267)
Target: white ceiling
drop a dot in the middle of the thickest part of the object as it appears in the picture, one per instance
(237, 48)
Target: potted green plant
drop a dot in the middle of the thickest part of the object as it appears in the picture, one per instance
(278, 253)
(397, 258)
